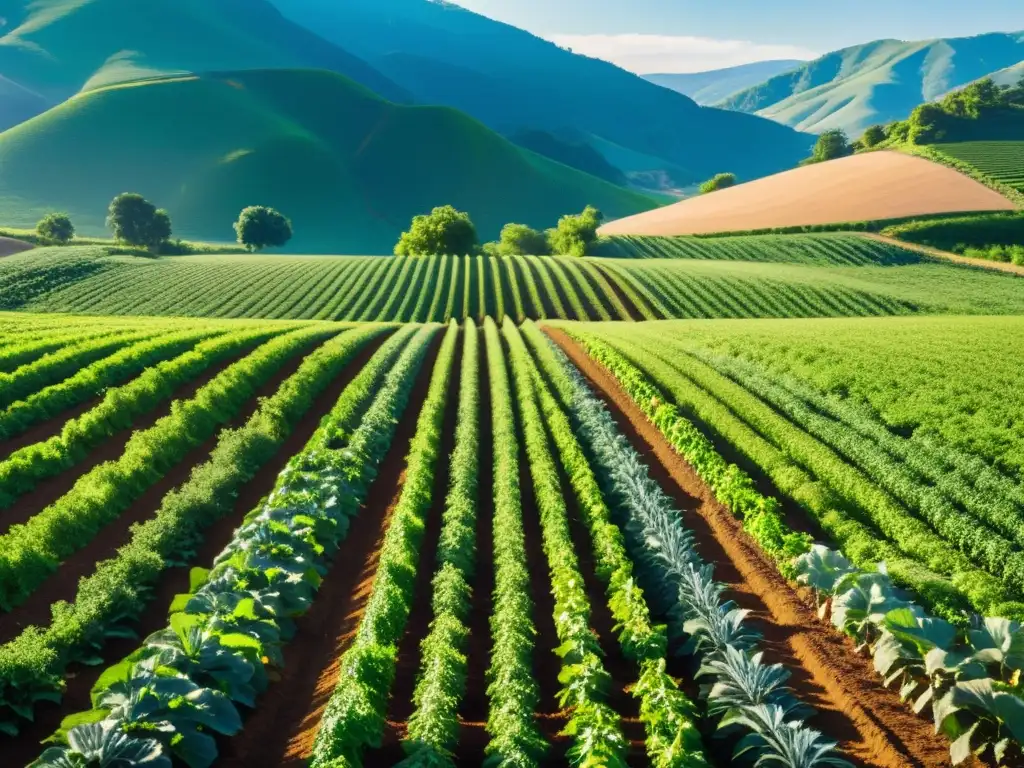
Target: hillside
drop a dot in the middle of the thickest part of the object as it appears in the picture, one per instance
(717, 85)
(878, 82)
(54, 48)
(511, 80)
(349, 168)
(866, 187)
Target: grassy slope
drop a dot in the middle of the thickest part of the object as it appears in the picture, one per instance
(86, 280)
(877, 82)
(56, 47)
(511, 79)
(349, 168)
(1002, 161)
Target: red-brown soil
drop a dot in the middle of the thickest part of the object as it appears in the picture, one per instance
(868, 187)
(873, 727)
(283, 727)
(176, 580)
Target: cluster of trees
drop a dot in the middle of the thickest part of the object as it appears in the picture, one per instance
(831, 145)
(447, 230)
(136, 222)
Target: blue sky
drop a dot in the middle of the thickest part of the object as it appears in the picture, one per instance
(690, 35)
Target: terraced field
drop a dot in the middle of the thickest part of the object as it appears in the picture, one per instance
(287, 543)
(1000, 160)
(807, 276)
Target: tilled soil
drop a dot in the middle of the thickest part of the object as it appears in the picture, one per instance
(282, 729)
(873, 727)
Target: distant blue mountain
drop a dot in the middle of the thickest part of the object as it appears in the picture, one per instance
(515, 81)
(716, 85)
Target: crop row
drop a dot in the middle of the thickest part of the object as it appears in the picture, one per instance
(1002, 160)
(959, 676)
(209, 663)
(30, 552)
(107, 602)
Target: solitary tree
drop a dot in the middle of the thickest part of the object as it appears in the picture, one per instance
(831, 145)
(521, 240)
(872, 137)
(136, 221)
(56, 228)
(574, 235)
(259, 227)
(443, 231)
(719, 181)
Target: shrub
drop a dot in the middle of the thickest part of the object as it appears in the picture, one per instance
(443, 231)
(259, 227)
(137, 222)
(521, 240)
(831, 145)
(56, 228)
(872, 137)
(720, 181)
(575, 235)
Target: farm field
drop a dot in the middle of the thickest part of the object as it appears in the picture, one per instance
(431, 544)
(1000, 160)
(761, 276)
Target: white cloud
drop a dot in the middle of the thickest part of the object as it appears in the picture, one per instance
(675, 53)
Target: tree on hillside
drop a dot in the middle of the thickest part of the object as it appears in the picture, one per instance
(56, 228)
(831, 145)
(574, 235)
(872, 137)
(443, 231)
(259, 227)
(719, 181)
(137, 222)
(521, 240)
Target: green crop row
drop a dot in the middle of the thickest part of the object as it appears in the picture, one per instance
(838, 503)
(90, 381)
(32, 666)
(353, 719)
(31, 552)
(512, 689)
(433, 730)
(593, 726)
(673, 739)
(746, 692)
(211, 660)
(25, 468)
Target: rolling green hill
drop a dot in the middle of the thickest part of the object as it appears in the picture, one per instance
(54, 48)
(878, 82)
(349, 168)
(512, 80)
(717, 85)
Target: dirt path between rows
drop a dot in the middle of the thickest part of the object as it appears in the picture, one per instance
(401, 704)
(63, 583)
(956, 258)
(174, 581)
(281, 730)
(873, 727)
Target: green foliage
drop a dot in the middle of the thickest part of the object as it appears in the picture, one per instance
(259, 227)
(354, 717)
(957, 233)
(873, 136)
(55, 228)
(443, 231)
(137, 222)
(831, 145)
(719, 181)
(521, 240)
(576, 235)
(979, 111)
